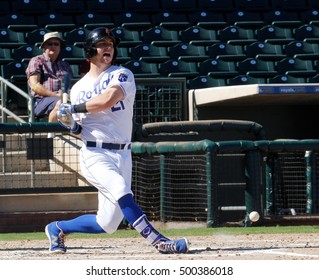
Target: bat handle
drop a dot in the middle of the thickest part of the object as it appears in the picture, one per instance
(65, 98)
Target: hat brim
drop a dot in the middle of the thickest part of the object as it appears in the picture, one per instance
(61, 40)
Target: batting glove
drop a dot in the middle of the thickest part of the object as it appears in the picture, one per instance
(67, 108)
(66, 120)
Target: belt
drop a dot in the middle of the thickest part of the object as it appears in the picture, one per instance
(109, 146)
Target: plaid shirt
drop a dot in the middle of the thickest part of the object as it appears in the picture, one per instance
(51, 73)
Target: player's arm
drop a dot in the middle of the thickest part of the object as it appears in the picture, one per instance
(105, 100)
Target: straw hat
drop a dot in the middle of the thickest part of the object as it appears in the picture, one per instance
(51, 35)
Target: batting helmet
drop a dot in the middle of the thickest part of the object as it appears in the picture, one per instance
(96, 35)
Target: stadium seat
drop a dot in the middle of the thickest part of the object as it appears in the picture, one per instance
(302, 50)
(257, 68)
(181, 6)
(253, 6)
(18, 22)
(142, 69)
(69, 7)
(178, 68)
(5, 56)
(56, 22)
(218, 68)
(129, 38)
(314, 79)
(290, 5)
(244, 19)
(237, 35)
(123, 55)
(309, 16)
(307, 32)
(5, 8)
(296, 67)
(207, 19)
(73, 54)
(244, 80)
(283, 18)
(35, 37)
(133, 21)
(170, 20)
(24, 53)
(265, 51)
(11, 39)
(198, 36)
(15, 73)
(149, 53)
(226, 51)
(286, 79)
(217, 5)
(187, 52)
(205, 82)
(105, 7)
(160, 36)
(142, 6)
(274, 34)
(30, 7)
(91, 20)
(76, 36)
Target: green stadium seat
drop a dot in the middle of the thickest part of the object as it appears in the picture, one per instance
(275, 34)
(226, 51)
(253, 6)
(198, 36)
(180, 6)
(149, 53)
(205, 82)
(72, 54)
(257, 68)
(35, 37)
(129, 38)
(160, 36)
(218, 68)
(245, 80)
(24, 53)
(123, 55)
(76, 36)
(217, 6)
(207, 19)
(308, 33)
(142, 6)
(56, 22)
(142, 69)
(11, 39)
(187, 52)
(91, 20)
(68, 7)
(5, 56)
(265, 51)
(296, 67)
(105, 7)
(286, 79)
(245, 19)
(18, 22)
(170, 20)
(178, 68)
(237, 35)
(133, 21)
(302, 50)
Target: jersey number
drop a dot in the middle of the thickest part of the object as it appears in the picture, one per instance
(119, 106)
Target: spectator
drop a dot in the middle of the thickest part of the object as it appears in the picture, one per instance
(46, 74)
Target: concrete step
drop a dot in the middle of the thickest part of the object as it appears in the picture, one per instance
(42, 179)
(47, 202)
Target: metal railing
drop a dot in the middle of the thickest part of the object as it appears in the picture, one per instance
(4, 84)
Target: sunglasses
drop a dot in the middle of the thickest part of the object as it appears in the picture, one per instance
(53, 44)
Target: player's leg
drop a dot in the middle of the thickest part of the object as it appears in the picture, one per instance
(135, 216)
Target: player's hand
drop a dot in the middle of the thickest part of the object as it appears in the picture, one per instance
(65, 119)
(67, 108)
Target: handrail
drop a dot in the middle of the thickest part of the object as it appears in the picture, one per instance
(5, 111)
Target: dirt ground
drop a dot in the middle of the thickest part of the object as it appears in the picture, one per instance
(215, 247)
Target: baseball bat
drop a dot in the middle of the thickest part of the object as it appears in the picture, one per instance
(65, 85)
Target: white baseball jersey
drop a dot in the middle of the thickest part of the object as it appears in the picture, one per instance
(109, 171)
(113, 125)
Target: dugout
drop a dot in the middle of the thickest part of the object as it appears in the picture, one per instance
(285, 110)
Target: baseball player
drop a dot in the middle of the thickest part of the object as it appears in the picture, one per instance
(101, 112)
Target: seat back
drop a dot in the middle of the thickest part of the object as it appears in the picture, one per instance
(218, 68)
(187, 52)
(149, 53)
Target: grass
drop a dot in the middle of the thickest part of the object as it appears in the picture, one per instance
(125, 233)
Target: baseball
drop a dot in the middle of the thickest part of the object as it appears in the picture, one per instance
(254, 216)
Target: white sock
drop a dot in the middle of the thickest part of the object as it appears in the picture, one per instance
(143, 226)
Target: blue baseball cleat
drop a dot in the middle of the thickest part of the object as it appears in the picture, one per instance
(179, 246)
(56, 238)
